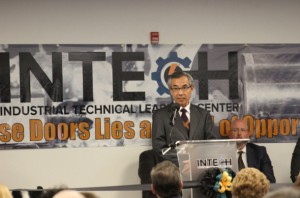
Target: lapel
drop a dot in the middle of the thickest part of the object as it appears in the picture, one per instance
(194, 118)
(178, 124)
(251, 160)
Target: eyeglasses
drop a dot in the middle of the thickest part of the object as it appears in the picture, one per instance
(177, 89)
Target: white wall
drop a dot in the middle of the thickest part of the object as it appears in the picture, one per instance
(131, 21)
(76, 168)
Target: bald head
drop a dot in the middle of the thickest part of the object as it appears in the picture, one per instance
(239, 130)
(68, 194)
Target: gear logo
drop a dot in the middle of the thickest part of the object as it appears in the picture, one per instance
(165, 68)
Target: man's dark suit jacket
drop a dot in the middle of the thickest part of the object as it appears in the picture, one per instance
(257, 157)
(164, 134)
(295, 163)
(200, 129)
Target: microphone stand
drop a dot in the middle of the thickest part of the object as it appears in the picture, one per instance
(170, 146)
(172, 123)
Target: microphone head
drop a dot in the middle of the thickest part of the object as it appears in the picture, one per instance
(175, 106)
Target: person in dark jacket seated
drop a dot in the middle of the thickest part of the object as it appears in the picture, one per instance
(249, 154)
(295, 163)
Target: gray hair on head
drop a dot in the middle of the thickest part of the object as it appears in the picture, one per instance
(178, 74)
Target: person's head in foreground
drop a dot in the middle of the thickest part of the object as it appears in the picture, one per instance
(4, 192)
(285, 192)
(250, 183)
(166, 180)
(68, 194)
(297, 182)
(89, 195)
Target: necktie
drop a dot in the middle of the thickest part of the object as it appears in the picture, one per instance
(185, 119)
(241, 164)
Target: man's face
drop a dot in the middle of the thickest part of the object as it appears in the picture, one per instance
(181, 90)
(239, 130)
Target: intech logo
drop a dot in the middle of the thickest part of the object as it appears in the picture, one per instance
(214, 162)
(166, 67)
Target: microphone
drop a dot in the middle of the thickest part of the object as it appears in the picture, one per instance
(175, 107)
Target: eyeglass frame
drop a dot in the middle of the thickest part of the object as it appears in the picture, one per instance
(177, 89)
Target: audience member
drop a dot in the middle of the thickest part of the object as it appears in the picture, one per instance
(5, 192)
(68, 194)
(49, 193)
(60, 192)
(16, 194)
(35, 194)
(250, 183)
(297, 182)
(249, 154)
(89, 195)
(295, 163)
(32, 194)
(191, 123)
(285, 192)
(166, 180)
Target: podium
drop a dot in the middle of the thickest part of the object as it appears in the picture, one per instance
(196, 157)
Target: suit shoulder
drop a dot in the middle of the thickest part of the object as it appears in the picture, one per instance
(163, 109)
(200, 109)
(255, 146)
(298, 142)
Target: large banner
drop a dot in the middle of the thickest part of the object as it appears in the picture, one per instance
(104, 95)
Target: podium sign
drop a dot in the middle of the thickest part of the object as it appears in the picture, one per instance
(195, 157)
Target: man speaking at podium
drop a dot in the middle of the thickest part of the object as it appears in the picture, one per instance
(179, 120)
(190, 121)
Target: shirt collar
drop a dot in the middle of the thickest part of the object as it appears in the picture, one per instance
(244, 150)
(187, 107)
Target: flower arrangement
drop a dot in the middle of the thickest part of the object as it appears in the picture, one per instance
(216, 182)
